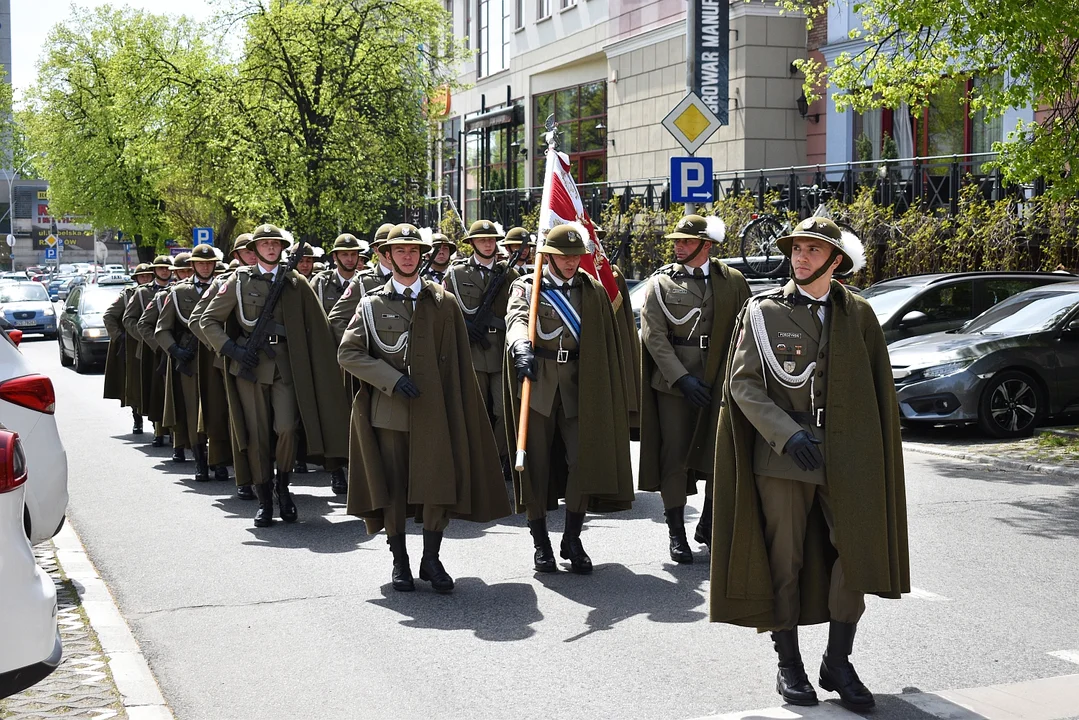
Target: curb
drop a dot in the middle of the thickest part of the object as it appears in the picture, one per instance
(1001, 463)
(141, 696)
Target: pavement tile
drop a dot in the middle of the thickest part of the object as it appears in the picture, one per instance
(82, 686)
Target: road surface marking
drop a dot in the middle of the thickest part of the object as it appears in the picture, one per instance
(1071, 656)
(919, 594)
(826, 710)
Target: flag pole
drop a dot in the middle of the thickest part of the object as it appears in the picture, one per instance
(526, 385)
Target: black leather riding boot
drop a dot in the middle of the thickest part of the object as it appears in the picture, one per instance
(571, 548)
(544, 556)
(401, 577)
(676, 529)
(245, 492)
(339, 481)
(284, 498)
(158, 441)
(136, 422)
(791, 681)
(202, 467)
(221, 472)
(703, 533)
(836, 672)
(264, 515)
(431, 569)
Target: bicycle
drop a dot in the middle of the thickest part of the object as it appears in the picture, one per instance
(758, 242)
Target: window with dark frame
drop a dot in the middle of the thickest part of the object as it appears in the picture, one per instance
(543, 9)
(451, 138)
(580, 112)
(493, 161)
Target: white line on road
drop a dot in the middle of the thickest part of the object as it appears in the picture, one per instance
(1071, 656)
(919, 594)
(826, 710)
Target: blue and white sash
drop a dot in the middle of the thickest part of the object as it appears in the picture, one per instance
(561, 304)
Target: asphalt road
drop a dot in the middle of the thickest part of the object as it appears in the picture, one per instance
(300, 622)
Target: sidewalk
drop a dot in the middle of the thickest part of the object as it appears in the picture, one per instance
(103, 675)
(1053, 451)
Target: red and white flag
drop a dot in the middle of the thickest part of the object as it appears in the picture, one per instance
(562, 204)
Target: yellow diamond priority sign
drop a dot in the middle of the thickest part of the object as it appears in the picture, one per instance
(691, 122)
(50, 241)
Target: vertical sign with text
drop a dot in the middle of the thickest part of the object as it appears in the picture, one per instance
(709, 47)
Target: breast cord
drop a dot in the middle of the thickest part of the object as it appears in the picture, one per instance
(769, 359)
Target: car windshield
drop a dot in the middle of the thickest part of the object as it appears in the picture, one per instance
(1031, 311)
(98, 301)
(886, 298)
(23, 292)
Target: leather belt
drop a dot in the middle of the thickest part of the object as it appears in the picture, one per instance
(276, 335)
(807, 418)
(560, 356)
(700, 341)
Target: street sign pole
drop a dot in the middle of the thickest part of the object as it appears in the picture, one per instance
(693, 14)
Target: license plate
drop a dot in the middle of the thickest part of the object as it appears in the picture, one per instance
(25, 323)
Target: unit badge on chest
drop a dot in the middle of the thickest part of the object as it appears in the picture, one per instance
(788, 366)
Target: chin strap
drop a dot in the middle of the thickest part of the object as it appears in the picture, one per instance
(820, 271)
(476, 251)
(554, 268)
(401, 272)
(695, 253)
(264, 260)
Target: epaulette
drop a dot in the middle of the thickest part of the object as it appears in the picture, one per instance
(461, 261)
(668, 269)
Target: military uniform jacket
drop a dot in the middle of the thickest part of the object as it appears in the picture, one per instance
(147, 324)
(676, 325)
(140, 298)
(468, 281)
(116, 360)
(361, 284)
(778, 367)
(329, 287)
(173, 322)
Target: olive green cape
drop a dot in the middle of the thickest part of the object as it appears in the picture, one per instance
(320, 395)
(453, 460)
(116, 361)
(630, 341)
(729, 293)
(864, 471)
(604, 472)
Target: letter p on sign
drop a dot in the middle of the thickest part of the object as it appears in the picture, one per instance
(203, 235)
(691, 179)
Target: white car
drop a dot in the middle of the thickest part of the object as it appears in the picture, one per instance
(31, 647)
(27, 404)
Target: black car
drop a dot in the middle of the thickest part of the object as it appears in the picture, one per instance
(924, 304)
(82, 337)
(1007, 370)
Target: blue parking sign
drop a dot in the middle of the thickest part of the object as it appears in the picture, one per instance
(203, 235)
(50, 253)
(691, 180)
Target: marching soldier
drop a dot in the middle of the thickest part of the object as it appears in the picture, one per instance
(306, 266)
(123, 380)
(361, 284)
(330, 284)
(689, 312)
(481, 284)
(577, 395)
(291, 376)
(811, 465)
(188, 367)
(144, 352)
(443, 248)
(160, 402)
(518, 237)
(421, 443)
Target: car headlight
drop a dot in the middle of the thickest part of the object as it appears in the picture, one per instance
(94, 333)
(49, 312)
(939, 371)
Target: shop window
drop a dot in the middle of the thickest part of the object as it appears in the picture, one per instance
(492, 162)
(581, 115)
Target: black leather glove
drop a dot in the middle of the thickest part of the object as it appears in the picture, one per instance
(524, 360)
(406, 387)
(695, 391)
(180, 354)
(475, 332)
(803, 448)
(245, 356)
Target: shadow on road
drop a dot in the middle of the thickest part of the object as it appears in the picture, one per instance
(503, 612)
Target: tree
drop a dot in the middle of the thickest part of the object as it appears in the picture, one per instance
(915, 47)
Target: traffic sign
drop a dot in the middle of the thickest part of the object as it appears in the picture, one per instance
(177, 250)
(691, 123)
(50, 241)
(50, 253)
(11, 241)
(691, 180)
(203, 235)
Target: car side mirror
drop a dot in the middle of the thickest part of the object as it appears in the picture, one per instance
(913, 319)
(1071, 330)
(71, 309)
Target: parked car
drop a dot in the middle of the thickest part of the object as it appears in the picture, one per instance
(1007, 370)
(82, 338)
(114, 270)
(65, 288)
(31, 648)
(16, 276)
(27, 307)
(55, 282)
(756, 286)
(924, 304)
(27, 404)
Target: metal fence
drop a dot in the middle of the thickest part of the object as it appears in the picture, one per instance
(930, 183)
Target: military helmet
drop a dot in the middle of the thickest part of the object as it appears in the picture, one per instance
(204, 252)
(162, 261)
(484, 229)
(345, 241)
(142, 269)
(568, 239)
(826, 230)
(519, 235)
(221, 268)
(233, 264)
(690, 227)
(381, 234)
(438, 238)
(404, 234)
(318, 267)
(312, 251)
(600, 232)
(241, 241)
(270, 232)
(182, 261)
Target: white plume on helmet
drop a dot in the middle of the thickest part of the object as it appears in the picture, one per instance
(589, 243)
(852, 247)
(499, 229)
(715, 229)
(427, 235)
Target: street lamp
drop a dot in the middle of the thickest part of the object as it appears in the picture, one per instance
(11, 201)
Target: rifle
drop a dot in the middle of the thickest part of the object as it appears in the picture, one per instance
(483, 312)
(427, 261)
(261, 332)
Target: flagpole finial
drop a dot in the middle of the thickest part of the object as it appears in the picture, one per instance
(553, 135)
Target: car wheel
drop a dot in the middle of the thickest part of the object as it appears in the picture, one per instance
(64, 359)
(79, 358)
(1012, 405)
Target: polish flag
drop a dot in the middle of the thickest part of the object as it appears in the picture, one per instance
(562, 204)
